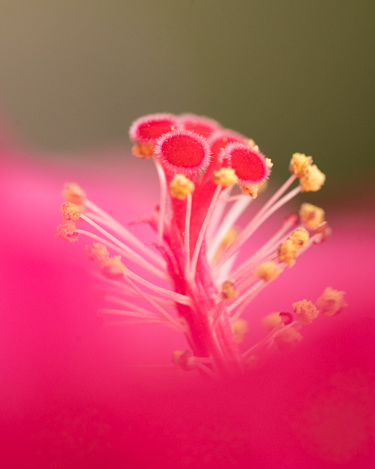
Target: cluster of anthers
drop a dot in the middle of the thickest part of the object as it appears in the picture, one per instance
(194, 277)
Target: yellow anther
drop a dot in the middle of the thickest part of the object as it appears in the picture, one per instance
(143, 150)
(287, 339)
(288, 249)
(112, 268)
(311, 216)
(271, 321)
(180, 187)
(251, 143)
(312, 180)
(239, 330)
(287, 252)
(300, 237)
(225, 177)
(269, 163)
(306, 312)
(70, 211)
(268, 271)
(331, 302)
(67, 231)
(299, 164)
(97, 252)
(251, 190)
(72, 192)
(228, 292)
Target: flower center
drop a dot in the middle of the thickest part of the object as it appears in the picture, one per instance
(194, 276)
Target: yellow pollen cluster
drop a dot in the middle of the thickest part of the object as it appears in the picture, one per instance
(225, 177)
(67, 231)
(73, 193)
(180, 187)
(268, 271)
(271, 321)
(288, 250)
(251, 190)
(110, 267)
(143, 150)
(311, 216)
(70, 211)
(228, 292)
(269, 163)
(300, 237)
(287, 339)
(299, 164)
(97, 252)
(331, 302)
(312, 180)
(239, 329)
(306, 312)
(251, 144)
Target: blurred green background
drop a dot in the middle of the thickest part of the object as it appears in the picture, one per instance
(293, 75)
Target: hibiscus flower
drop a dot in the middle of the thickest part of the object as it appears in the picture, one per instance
(194, 281)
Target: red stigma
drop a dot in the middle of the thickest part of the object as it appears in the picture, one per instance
(151, 127)
(201, 125)
(221, 139)
(249, 165)
(183, 151)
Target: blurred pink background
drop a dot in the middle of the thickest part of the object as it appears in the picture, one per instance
(78, 392)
